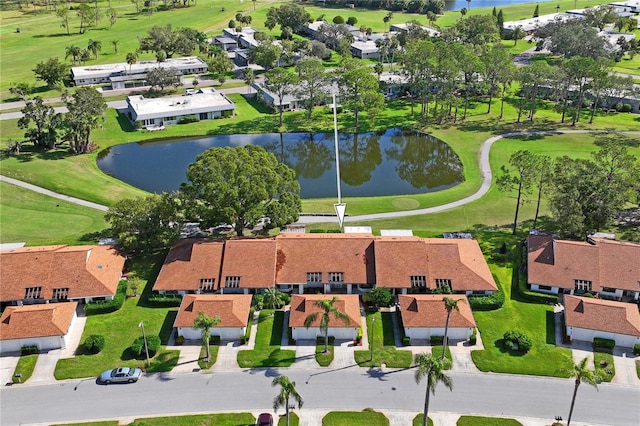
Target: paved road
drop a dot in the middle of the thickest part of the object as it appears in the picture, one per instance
(342, 389)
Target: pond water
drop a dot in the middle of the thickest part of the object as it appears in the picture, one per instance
(477, 4)
(389, 162)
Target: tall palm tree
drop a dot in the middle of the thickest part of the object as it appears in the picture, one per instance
(273, 298)
(518, 33)
(449, 305)
(468, 4)
(74, 52)
(204, 323)
(287, 391)
(132, 58)
(328, 306)
(582, 373)
(431, 368)
(387, 18)
(94, 46)
(115, 45)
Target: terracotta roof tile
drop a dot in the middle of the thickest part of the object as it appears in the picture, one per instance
(398, 259)
(251, 259)
(43, 320)
(302, 305)
(188, 261)
(602, 315)
(428, 310)
(87, 271)
(233, 309)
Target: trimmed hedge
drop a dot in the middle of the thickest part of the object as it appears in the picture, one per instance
(487, 303)
(94, 343)
(164, 300)
(517, 341)
(107, 306)
(474, 337)
(153, 344)
(29, 350)
(636, 349)
(605, 344)
(436, 340)
(406, 341)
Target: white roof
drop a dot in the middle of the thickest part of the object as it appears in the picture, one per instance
(122, 68)
(396, 232)
(402, 27)
(531, 24)
(357, 230)
(204, 100)
(368, 46)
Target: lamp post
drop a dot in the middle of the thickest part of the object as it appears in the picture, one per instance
(144, 336)
(373, 318)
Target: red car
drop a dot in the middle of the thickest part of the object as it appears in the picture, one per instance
(265, 419)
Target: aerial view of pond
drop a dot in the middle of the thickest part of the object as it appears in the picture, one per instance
(477, 4)
(389, 162)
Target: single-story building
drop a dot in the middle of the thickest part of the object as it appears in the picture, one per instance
(233, 311)
(46, 326)
(365, 49)
(303, 305)
(33, 275)
(123, 75)
(587, 318)
(225, 43)
(203, 104)
(404, 27)
(425, 315)
(291, 101)
(599, 266)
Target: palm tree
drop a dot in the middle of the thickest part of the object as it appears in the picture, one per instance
(431, 368)
(387, 18)
(273, 298)
(463, 12)
(115, 45)
(518, 33)
(328, 306)
(468, 4)
(249, 77)
(74, 52)
(581, 373)
(132, 58)
(94, 47)
(287, 391)
(204, 323)
(449, 305)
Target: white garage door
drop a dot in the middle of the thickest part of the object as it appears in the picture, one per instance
(302, 333)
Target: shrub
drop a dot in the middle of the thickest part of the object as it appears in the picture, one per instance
(214, 340)
(107, 306)
(487, 303)
(164, 300)
(286, 298)
(94, 343)
(338, 19)
(636, 349)
(29, 350)
(626, 108)
(352, 20)
(379, 295)
(517, 341)
(258, 301)
(179, 340)
(436, 340)
(474, 337)
(606, 344)
(153, 344)
(188, 119)
(406, 341)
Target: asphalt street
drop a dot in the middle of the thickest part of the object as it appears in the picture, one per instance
(350, 388)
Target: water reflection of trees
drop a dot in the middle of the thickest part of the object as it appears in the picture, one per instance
(311, 156)
(278, 149)
(424, 161)
(359, 157)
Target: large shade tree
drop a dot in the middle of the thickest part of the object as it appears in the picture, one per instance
(86, 109)
(431, 368)
(582, 374)
(239, 186)
(329, 308)
(204, 323)
(287, 391)
(281, 83)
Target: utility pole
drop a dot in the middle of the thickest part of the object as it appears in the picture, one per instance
(144, 336)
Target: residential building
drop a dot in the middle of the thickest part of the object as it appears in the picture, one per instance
(232, 310)
(226, 43)
(202, 104)
(599, 266)
(249, 265)
(425, 315)
(403, 27)
(588, 318)
(123, 75)
(44, 274)
(46, 326)
(303, 305)
(292, 101)
(365, 49)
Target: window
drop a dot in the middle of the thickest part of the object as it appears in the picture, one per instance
(32, 292)
(584, 285)
(336, 277)
(544, 287)
(170, 118)
(207, 284)
(60, 293)
(418, 281)
(314, 277)
(232, 282)
(608, 289)
(441, 282)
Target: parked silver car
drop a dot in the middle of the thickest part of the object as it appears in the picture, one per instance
(121, 375)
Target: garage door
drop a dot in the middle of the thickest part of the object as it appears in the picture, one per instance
(302, 333)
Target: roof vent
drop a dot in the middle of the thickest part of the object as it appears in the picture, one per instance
(99, 266)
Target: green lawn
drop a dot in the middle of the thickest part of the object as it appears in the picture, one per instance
(25, 367)
(417, 420)
(366, 417)
(105, 423)
(294, 420)
(436, 351)
(213, 352)
(222, 419)
(638, 368)
(486, 421)
(607, 370)
(267, 352)
(384, 347)
(536, 320)
(324, 359)
(120, 329)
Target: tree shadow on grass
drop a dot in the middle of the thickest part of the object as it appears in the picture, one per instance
(167, 327)
(123, 121)
(499, 344)
(550, 328)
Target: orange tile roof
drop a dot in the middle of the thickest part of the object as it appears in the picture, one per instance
(302, 305)
(351, 254)
(427, 310)
(188, 261)
(602, 315)
(606, 263)
(251, 259)
(233, 309)
(43, 320)
(88, 271)
(399, 258)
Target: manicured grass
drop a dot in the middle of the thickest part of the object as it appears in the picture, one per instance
(638, 368)
(294, 420)
(536, 320)
(436, 351)
(486, 421)
(120, 329)
(417, 420)
(213, 352)
(222, 419)
(267, 352)
(25, 367)
(607, 371)
(324, 359)
(354, 418)
(384, 349)
(105, 423)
